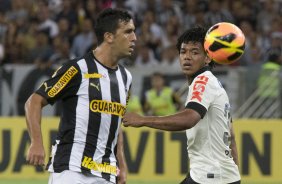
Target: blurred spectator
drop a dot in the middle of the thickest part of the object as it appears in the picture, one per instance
(134, 105)
(167, 9)
(18, 11)
(189, 13)
(269, 81)
(266, 16)
(145, 57)
(62, 52)
(84, 39)
(46, 23)
(68, 12)
(217, 13)
(160, 99)
(244, 10)
(253, 53)
(91, 11)
(158, 23)
(42, 48)
(5, 6)
(172, 29)
(55, 6)
(150, 32)
(3, 28)
(170, 58)
(64, 28)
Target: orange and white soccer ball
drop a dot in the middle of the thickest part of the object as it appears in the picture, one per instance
(224, 43)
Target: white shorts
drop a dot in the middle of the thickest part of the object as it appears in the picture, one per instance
(72, 177)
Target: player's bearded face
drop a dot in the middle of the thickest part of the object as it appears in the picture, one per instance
(192, 57)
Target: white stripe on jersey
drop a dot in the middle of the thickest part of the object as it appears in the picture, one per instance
(129, 79)
(82, 111)
(105, 118)
(53, 152)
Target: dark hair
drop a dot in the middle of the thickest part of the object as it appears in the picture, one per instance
(196, 34)
(157, 74)
(107, 21)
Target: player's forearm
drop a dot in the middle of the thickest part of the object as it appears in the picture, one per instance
(233, 147)
(33, 119)
(177, 122)
(234, 152)
(120, 152)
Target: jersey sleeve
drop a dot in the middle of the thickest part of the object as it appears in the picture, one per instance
(63, 83)
(201, 94)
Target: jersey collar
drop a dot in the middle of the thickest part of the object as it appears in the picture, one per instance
(109, 69)
(202, 70)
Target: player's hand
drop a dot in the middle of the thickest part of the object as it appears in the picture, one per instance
(36, 155)
(132, 119)
(121, 177)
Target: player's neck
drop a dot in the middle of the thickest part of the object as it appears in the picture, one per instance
(106, 57)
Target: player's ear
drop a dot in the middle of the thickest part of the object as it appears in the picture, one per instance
(207, 59)
(108, 37)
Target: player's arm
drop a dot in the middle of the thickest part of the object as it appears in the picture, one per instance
(233, 146)
(121, 159)
(182, 120)
(33, 108)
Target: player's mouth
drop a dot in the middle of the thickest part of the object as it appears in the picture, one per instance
(131, 47)
(187, 66)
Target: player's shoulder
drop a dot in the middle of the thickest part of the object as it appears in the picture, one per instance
(208, 79)
(70, 66)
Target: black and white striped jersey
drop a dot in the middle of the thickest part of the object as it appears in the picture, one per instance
(94, 100)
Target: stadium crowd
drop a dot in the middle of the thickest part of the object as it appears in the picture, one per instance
(51, 32)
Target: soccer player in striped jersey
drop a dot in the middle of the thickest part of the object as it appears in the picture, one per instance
(94, 91)
(206, 118)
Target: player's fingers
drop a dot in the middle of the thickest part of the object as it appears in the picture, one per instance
(28, 158)
(41, 161)
(35, 160)
(31, 159)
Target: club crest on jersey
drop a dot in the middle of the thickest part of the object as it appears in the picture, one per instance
(104, 106)
(93, 76)
(199, 87)
(63, 81)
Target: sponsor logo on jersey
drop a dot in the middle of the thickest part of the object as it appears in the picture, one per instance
(101, 167)
(95, 86)
(63, 81)
(55, 73)
(104, 106)
(46, 87)
(199, 87)
(94, 75)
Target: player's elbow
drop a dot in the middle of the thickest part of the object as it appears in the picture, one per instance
(34, 101)
(188, 118)
(27, 104)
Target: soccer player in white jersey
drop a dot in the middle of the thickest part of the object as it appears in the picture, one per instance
(210, 138)
(94, 91)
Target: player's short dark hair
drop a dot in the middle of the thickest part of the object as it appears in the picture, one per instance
(196, 34)
(107, 21)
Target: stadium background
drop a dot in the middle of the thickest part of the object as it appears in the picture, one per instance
(37, 36)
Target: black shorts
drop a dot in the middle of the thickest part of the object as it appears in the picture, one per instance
(189, 180)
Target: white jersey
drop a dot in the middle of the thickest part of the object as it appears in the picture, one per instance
(209, 140)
